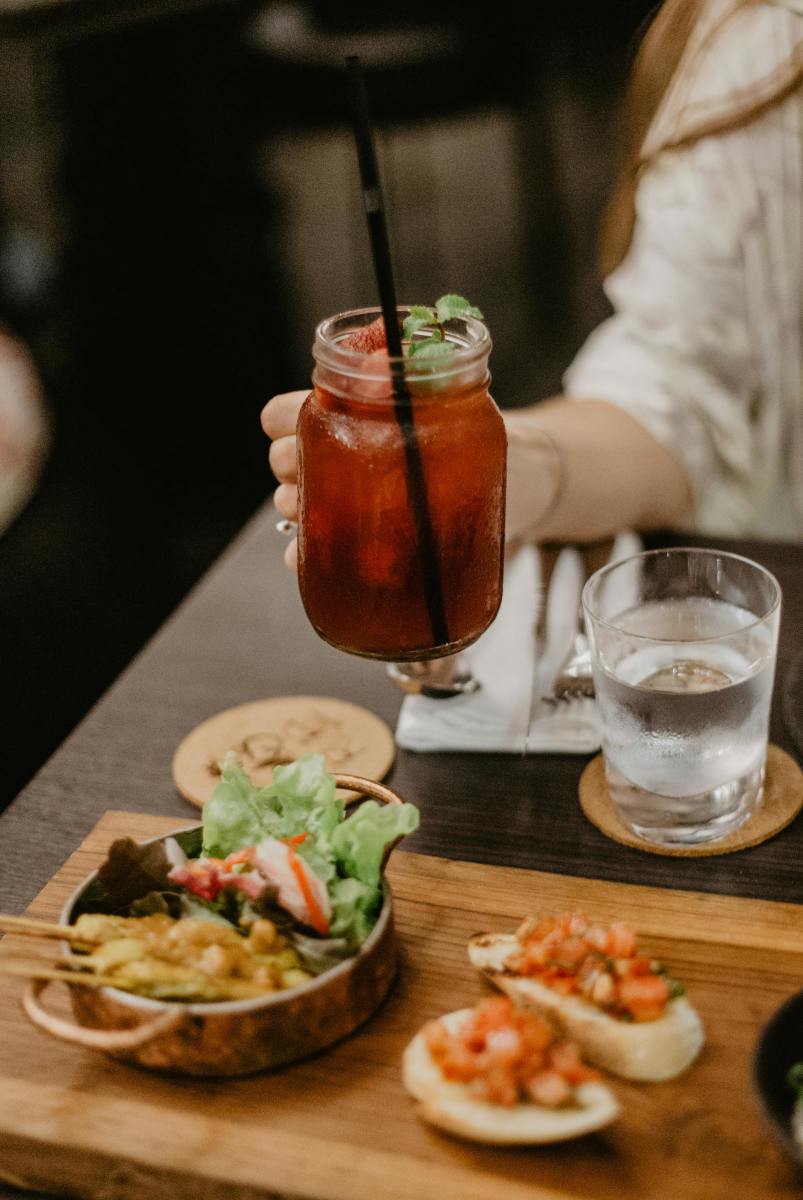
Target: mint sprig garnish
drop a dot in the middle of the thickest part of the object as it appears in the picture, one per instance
(430, 347)
(418, 318)
(434, 347)
(455, 306)
(421, 316)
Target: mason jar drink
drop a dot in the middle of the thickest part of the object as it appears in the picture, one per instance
(377, 541)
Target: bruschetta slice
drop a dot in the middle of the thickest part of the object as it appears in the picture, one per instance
(496, 1074)
(622, 1010)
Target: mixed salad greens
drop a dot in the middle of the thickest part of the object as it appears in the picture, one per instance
(288, 853)
(300, 808)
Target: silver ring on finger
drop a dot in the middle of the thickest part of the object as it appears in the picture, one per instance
(286, 527)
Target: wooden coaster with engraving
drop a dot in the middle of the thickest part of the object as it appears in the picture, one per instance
(268, 733)
(783, 800)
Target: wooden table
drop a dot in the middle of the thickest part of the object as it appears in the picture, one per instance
(242, 635)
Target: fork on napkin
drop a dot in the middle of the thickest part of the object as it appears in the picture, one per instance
(498, 716)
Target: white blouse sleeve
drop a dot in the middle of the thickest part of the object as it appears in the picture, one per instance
(682, 353)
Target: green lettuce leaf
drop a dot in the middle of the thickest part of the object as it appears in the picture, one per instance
(301, 797)
(353, 910)
(359, 842)
(317, 852)
(238, 814)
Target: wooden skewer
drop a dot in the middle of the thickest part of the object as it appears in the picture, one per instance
(45, 929)
(33, 970)
(239, 990)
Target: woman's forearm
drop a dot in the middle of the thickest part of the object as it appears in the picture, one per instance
(596, 471)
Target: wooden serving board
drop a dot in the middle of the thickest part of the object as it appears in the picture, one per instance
(340, 1126)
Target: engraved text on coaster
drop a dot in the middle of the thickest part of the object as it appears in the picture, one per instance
(269, 733)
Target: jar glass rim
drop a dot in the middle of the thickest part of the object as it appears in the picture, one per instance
(592, 585)
(468, 335)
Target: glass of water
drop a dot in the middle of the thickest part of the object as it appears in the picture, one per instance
(683, 648)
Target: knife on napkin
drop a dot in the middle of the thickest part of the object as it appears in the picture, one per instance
(568, 726)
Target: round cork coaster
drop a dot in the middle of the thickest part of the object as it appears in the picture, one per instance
(783, 800)
(267, 733)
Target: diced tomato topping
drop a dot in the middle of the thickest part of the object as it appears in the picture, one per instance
(565, 1057)
(437, 1038)
(499, 1085)
(596, 937)
(640, 966)
(536, 954)
(578, 924)
(621, 941)
(459, 1064)
(564, 985)
(535, 1037)
(549, 1088)
(572, 955)
(506, 1055)
(492, 1013)
(644, 996)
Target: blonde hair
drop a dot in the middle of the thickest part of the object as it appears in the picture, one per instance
(655, 67)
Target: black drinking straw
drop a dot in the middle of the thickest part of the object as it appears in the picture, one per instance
(402, 404)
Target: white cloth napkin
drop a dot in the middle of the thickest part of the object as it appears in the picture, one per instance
(503, 660)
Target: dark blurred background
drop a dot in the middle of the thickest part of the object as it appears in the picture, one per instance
(179, 206)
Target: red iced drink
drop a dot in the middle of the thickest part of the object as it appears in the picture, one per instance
(366, 585)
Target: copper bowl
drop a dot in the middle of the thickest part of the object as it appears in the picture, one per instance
(234, 1037)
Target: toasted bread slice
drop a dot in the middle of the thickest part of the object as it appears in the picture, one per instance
(649, 1051)
(452, 1107)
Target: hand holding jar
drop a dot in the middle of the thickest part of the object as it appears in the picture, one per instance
(366, 573)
